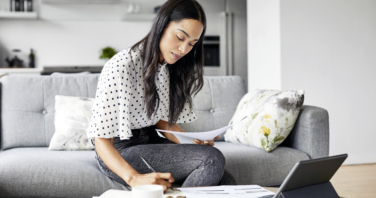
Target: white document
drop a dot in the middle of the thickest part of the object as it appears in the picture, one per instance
(113, 193)
(249, 191)
(187, 137)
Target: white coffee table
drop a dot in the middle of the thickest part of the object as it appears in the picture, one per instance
(113, 193)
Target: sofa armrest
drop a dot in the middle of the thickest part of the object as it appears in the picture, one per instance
(311, 132)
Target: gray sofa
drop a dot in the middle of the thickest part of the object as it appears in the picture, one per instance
(29, 169)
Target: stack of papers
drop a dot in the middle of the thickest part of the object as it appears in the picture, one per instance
(249, 191)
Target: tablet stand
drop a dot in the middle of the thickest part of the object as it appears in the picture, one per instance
(323, 190)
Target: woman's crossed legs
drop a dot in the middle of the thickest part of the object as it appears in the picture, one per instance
(194, 165)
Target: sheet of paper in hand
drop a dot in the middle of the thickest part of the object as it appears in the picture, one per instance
(187, 137)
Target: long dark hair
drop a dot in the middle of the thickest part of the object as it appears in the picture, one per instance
(186, 74)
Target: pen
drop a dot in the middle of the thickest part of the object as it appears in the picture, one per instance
(151, 168)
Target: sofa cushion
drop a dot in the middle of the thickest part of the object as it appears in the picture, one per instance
(271, 114)
(31, 172)
(31, 99)
(216, 103)
(72, 119)
(38, 172)
(251, 165)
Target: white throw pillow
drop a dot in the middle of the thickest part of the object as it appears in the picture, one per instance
(72, 118)
(271, 115)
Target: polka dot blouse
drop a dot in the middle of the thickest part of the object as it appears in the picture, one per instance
(119, 101)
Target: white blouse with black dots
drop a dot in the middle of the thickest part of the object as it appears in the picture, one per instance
(119, 100)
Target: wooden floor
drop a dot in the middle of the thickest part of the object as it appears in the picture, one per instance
(355, 181)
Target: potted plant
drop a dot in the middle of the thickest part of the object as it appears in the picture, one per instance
(107, 53)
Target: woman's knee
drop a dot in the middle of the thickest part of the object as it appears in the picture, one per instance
(214, 155)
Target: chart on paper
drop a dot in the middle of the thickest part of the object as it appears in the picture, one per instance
(249, 191)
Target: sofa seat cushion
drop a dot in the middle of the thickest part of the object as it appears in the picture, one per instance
(38, 172)
(251, 165)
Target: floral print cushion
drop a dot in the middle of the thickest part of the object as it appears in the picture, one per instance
(271, 115)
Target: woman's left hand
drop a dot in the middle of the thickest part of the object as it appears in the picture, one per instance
(206, 142)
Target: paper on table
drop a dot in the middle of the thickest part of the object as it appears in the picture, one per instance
(113, 193)
(250, 191)
(187, 137)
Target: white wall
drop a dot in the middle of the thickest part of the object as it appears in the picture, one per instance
(73, 34)
(328, 49)
(61, 43)
(264, 55)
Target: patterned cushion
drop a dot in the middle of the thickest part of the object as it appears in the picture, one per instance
(271, 115)
(72, 118)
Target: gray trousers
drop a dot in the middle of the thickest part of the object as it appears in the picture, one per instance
(190, 164)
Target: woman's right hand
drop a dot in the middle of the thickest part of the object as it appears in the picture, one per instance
(164, 179)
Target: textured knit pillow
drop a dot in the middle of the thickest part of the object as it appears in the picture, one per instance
(72, 118)
(271, 117)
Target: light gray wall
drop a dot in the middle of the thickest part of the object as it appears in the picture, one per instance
(264, 52)
(239, 10)
(329, 49)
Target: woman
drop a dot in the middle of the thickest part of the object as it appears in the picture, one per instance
(150, 86)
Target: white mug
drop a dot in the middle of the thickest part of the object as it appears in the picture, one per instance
(147, 191)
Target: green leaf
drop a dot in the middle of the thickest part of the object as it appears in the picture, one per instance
(278, 138)
(276, 125)
(107, 53)
(254, 116)
(263, 144)
(290, 126)
(244, 103)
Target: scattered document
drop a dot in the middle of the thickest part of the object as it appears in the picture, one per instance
(249, 191)
(113, 193)
(187, 137)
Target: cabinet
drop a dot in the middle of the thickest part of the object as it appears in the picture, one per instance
(18, 15)
(20, 71)
(87, 10)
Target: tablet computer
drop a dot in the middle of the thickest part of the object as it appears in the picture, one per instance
(312, 176)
